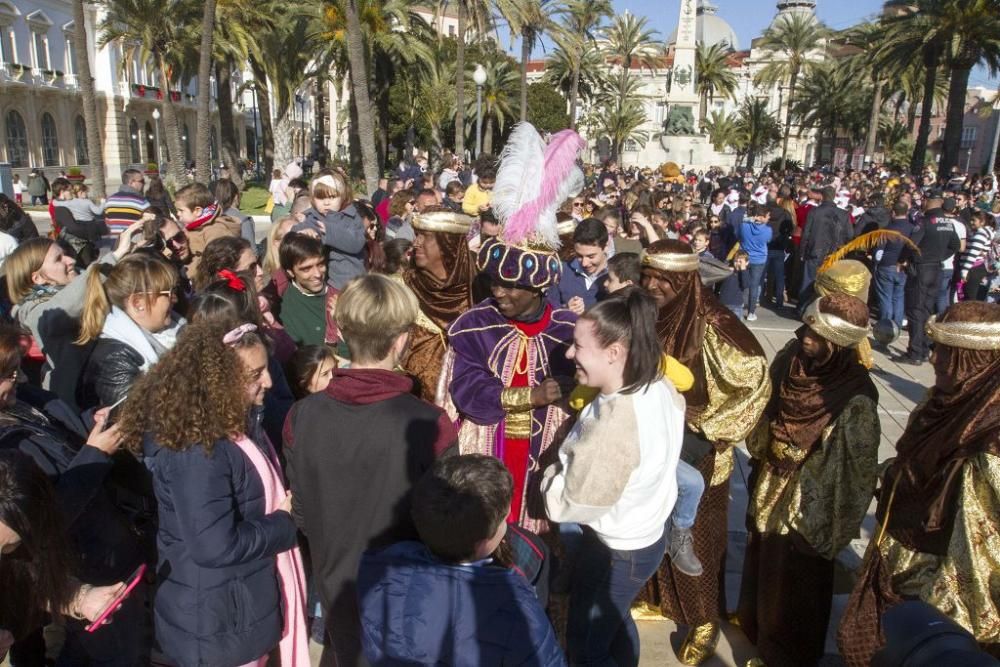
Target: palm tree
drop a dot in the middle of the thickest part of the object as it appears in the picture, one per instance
(576, 41)
(758, 130)
(437, 97)
(95, 148)
(156, 31)
(630, 42)
(530, 19)
(722, 131)
(397, 40)
(203, 163)
(236, 28)
(590, 72)
(498, 91)
(714, 75)
(618, 114)
(912, 34)
(867, 37)
(964, 33)
(478, 12)
(365, 127)
(791, 38)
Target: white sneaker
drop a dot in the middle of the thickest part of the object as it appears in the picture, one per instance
(751, 317)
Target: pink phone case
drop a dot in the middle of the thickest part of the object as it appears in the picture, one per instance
(133, 581)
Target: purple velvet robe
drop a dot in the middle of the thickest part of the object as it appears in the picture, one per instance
(483, 348)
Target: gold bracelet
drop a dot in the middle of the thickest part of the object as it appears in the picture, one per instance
(516, 399)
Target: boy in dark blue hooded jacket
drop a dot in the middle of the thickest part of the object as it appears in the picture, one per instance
(450, 599)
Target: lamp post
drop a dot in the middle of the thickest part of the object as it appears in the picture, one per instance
(156, 128)
(479, 76)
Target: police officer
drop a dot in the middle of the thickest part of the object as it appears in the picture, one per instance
(937, 241)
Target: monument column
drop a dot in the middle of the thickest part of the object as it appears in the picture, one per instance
(683, 91)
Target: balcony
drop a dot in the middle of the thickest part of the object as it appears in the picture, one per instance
(15, 73)
(70, 82)
(46, 77)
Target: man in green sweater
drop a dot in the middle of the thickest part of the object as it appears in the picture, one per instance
(308, 303)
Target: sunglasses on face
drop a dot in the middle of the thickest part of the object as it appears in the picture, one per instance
(178, 240)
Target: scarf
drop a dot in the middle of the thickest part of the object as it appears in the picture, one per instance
(41, 293)
(444, 300)
(122, 328)
(812, 394)
(959, 420)
(294, 645)
(207, 215)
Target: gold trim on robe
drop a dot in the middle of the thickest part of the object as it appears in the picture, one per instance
(739, 388)
(827, 497)
(964, 584)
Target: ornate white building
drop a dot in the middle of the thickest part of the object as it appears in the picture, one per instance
(696, 151)
(41, 112)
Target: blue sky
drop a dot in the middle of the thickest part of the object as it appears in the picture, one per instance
(749, 18)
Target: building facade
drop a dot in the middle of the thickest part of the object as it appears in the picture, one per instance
(41, 113)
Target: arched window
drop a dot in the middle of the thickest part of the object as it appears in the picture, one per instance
(80, 130)
(50, 141)
(17, 140)
(213, 146)
(133, 132)
(187, 143)
(150, 143)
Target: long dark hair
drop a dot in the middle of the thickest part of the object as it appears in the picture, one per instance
(304, 364)
(629, 317)
(36, 576)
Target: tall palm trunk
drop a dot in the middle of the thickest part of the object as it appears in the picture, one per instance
(792, 80)
(931, 57)
(460, 83)
(227, 126)
(171, 127)
(574, 95)
(203, 167)
(320, 97)
(952, 140)
(264, 114)
(95, 147)
(382, 147)
(873, 122)
(703, 108)
(359, 77)
(527, 37)
(284, 126)
(488, 135)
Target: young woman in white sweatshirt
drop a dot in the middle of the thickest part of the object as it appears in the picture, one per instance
(617, 474)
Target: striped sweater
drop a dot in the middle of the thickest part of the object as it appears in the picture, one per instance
(123, 208)
(976, 249)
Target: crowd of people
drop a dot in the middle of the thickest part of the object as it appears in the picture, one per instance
(479, 416)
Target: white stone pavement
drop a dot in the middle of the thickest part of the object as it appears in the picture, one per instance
(901, 388)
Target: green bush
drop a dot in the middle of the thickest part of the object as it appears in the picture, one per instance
(254, 199)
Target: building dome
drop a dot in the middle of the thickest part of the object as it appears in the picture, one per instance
(709, 28)
(789, 8)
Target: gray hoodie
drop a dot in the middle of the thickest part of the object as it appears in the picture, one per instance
(346, 239)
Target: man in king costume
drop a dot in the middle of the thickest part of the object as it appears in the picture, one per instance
(938, 534)
(441, 278)
(731, 389)
(507, 373)
(815, 456)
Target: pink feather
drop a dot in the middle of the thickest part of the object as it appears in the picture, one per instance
(562, 179)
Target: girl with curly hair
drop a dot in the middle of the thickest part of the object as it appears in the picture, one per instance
(228, 253)
(232, 588)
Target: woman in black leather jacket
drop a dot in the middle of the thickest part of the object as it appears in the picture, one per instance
(130, 317)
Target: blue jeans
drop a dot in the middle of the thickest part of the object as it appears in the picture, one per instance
(944, 291)
(756, 274)
(600, 629)
(690, 486)
(890, 284)
(776, 275)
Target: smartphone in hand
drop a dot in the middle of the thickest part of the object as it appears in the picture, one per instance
(130, 585)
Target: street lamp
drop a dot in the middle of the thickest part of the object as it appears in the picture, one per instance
(479, 76)
(156, 127)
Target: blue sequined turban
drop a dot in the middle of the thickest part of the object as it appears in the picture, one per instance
(525, 267)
